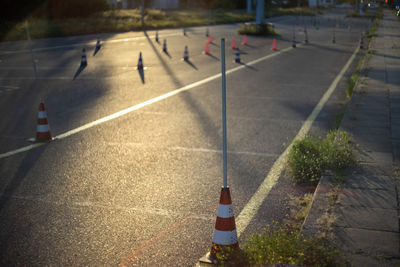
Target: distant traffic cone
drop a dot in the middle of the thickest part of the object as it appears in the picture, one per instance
(294, 39)
(184, 31)
(98, 45)
(157, 37)
(333, 37)
(237, 56)
(305, 35)
(244, 39)
(140, 62)
(207, 49)
(361, 42)
(233, 44)
(273, 44)
(225, 235)
(164, 47)
(207, 32)
(43, 128)
(186, 54)
(83, 60)
(210, 38)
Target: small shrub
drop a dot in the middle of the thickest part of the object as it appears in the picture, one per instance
(311, 156)
(254, 29)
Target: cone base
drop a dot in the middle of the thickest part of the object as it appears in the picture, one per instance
(35, 140)
(207, 260)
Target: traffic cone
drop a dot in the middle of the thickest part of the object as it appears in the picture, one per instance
(273, 44)
(244, 39)
(225, 235)
(184, 31)
(186, 54)
(43, 128)
(98, 45)
(164, 48)
(210, 38)
(140, 62)
(305, 35)
(361, 42)
(237, 56)
(207, 32)
(157, 37)
(333, 37)
(207, 49)
(233, 44)
(83, 60)
(294, 40)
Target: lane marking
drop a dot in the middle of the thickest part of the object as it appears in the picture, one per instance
(9, 87)
(145, 103)
(251, 208)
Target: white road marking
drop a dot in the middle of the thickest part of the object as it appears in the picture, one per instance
(9, 87)
(145, 103)
(251, 208)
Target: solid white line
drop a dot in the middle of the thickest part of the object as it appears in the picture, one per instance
(148, 102)
(252, 207)
(9, 87)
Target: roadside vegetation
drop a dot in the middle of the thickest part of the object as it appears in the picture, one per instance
(254, 29)
(310, 157)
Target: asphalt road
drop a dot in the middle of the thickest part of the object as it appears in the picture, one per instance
(142, 189)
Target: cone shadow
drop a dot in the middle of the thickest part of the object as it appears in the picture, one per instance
(96, 50)
(191, 64)
(80, 69)
(212, 56)
(167, 53)
(141, 74)
(247, 66)
(217, 45)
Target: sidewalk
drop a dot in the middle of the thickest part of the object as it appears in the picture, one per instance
(360, 212)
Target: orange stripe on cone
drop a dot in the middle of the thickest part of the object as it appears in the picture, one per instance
(43, 128)
(274, 44)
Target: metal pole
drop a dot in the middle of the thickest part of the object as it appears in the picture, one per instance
(249, 2)
(28, 37)
(142, 16)
(224, 142)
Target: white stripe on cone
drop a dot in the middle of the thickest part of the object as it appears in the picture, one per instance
(42, 115)
(225, 237)
(225, 211)
(42, 128)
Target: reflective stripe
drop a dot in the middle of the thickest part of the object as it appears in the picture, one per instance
(225, 211)
(43, 128)
(225, 237)
(42, 115)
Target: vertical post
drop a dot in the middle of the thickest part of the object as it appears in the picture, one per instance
(142, 16)
(28, 37)
(260, 12)
(224, 142)
(249, 2)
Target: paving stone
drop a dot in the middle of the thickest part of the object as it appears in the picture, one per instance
(369, 181)
(372, 198)
(374, 261)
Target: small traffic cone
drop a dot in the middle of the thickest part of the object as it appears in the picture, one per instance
(98, 45)
(273, 44)
(184, 32)
(207, 32)
(157, 37)
(294, 40)
(233, 44)
(186, 54)
(164, 48)
(361, 42)
(237, 56)
(225, 235)
(207, 49)
(210, 38)
(83, 60)
(333, 37)
(305, 35)
(140, 62)
(43, 128)
(244, 39)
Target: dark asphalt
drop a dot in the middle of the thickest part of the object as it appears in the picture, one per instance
(143, 189)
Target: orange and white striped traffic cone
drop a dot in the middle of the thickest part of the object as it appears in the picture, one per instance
(210, 38)
(157, 37)
(237, 56)
(43, 128)
(233, 44)
(83, 59)
(186, 54)
(273, 44)
(207, 49)
(98, 45)
(244, 39)
(140, 62)
(225, 235)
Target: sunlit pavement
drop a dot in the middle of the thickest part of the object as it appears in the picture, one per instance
(143, 188)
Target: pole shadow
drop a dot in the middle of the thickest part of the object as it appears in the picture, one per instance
(191, 64)
(80, 69)
(141, 74)
(212, 56)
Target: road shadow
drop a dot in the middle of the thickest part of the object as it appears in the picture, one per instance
(191, 64)
(247, 66)
(167, 53)
(141, 74)
(214, 44)
(96, 50)
(212, 56)
(80, 69)
(250, 46)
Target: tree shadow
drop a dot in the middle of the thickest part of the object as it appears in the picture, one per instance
(80, 69)
(191, 64)
(141, 74)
